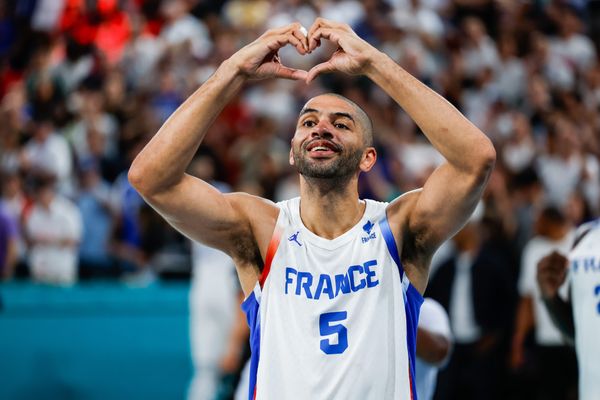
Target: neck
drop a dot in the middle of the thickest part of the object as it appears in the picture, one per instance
(329, 208)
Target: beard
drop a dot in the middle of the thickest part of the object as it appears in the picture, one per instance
(339, 168)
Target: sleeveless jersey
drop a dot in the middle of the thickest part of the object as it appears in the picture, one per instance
(584, 275)
(333, 319)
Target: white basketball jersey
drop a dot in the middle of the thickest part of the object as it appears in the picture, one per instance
(333, 319)
(584, 274)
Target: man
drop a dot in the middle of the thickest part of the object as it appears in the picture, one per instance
(53, 229)
(474, 287)
(333, 283)
(578, 318)
(434, 343)
(213, 297)
(554, 361)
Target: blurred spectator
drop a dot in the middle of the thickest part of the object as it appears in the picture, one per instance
(520, 149)
(213, 300)
(561, 167)
(183, 29)
(570, 44)
(14, 205)
(509, 71)
(554, 360)
(8, 244)
(475, 289)
(128, 236)
(94, 202)
(47, 152)
(479, 50)
(94, 124)
(53, 229)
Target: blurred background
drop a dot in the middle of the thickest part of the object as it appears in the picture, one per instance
(100, 298)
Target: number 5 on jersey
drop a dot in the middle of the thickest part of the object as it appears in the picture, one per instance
(329, 325)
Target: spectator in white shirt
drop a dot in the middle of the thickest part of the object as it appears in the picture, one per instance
(47, 152)
(53, 229)
(553, 359)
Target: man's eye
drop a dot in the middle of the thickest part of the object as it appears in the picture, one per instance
(309, 123)
(340, 126)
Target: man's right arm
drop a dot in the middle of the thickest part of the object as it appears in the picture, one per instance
(551, 274)
(158, 173)
(191, 205)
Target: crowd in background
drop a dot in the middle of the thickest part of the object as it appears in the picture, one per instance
(85, 84)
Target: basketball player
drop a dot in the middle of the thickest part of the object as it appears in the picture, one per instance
(579, 318)
(333, 283)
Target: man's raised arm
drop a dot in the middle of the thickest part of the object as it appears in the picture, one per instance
(192, 206)
(428, 217)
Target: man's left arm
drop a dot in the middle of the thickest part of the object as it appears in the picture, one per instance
(452, 191)
(427, 217)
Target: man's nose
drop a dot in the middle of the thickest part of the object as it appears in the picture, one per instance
(322, 129)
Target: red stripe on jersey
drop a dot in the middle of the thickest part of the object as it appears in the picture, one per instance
(271, 250)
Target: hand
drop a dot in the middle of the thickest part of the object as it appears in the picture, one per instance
(353, 55)
(551, 273)
(260, 59)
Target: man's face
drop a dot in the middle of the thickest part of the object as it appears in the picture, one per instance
(329, 141)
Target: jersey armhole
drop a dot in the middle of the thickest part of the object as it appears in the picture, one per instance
(272, 249)
(391, 245)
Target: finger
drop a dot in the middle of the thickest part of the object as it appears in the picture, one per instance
(326, 33)
(326, 23)
(277, 42)
(298, 34)
(290, 73)
(319, 69)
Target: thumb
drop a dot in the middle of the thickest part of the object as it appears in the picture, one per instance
(318, 69)
(290, 73)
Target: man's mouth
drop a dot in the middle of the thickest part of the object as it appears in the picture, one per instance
(321, 148)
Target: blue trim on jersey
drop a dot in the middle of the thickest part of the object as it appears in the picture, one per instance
(386, 231)
(412, 306)
(251, 307)
(412, 303)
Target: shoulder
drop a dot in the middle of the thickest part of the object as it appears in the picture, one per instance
(398, 211)
(254, 207)
(584, 230)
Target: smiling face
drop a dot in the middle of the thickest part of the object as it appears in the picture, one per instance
(332, 140)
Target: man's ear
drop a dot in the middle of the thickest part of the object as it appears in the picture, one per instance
(291, 155)
(368, 160)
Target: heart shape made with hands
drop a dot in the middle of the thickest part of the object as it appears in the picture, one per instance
(306, 42)
(302, 63)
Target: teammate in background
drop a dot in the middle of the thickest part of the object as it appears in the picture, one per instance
(579, 317)
(434, 342)
(213, 301)
(333, 283)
